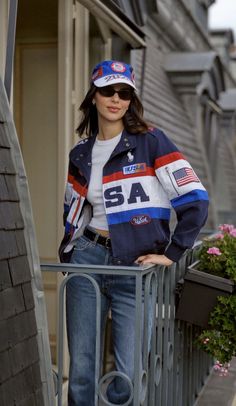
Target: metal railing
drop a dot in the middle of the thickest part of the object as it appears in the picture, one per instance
(173, 369)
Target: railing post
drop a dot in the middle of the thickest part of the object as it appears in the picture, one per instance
(138, 340)
(61, 334)
(149, 337)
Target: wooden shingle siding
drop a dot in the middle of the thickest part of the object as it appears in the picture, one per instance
(19, 270)
(28, 295)
(3, 188)
(10, 216)
(20, 380)
(5, 279)
(8, 244)
(22, 389)
(6, 165)
(3, 138)
(17, 329)
(11, 302)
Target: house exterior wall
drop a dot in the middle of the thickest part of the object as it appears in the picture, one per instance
(167, 27)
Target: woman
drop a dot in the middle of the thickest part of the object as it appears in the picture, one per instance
(123, 179)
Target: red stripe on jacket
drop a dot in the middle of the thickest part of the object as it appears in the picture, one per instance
(82, 190)
(167, 159)
(120, 175)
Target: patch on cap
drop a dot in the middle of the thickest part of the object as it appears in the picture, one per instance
(118, 67)
(97, 73)
(112, 72)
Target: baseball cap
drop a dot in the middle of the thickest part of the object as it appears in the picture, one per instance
(110, 72)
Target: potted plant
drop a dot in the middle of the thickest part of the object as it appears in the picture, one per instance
(207, 295)
(219, 340)
(218, 253)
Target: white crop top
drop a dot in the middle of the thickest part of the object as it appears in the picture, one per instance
(101, 152)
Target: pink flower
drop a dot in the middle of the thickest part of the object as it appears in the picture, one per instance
(219, 236)
(214, 251)
(223, 373)
(216, 367)
(222, 369)
(226, 228)
(233, 232)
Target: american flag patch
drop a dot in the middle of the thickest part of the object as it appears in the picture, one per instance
(184, 176)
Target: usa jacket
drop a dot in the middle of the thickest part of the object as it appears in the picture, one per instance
(144, 177)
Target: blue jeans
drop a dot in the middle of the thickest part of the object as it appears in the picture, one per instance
(117, 294)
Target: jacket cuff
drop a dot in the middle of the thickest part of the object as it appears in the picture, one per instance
(174, 252)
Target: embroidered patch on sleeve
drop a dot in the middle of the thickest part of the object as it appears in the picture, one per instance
(184, 176)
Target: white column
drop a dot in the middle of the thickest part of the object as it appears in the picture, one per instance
(107, 38)
(65, 110)
(4, 5)
(81, 61)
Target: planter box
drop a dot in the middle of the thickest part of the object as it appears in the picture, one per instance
(197, 295)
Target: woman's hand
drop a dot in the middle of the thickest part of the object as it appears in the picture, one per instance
(154, 259)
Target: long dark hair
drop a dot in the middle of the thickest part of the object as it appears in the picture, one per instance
(133, 119)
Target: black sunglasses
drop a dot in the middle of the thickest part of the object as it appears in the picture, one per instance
(109, 91)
